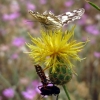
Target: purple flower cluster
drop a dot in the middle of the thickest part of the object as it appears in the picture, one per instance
(9, 93)
(29, 94)
(31, 6)
(43, 1)
(83, 20)
(87, 6)
(14, 56)
(69, 3)
(31, 91)
(18, 41)
(92, 29)
(11, 16)
(97, 54)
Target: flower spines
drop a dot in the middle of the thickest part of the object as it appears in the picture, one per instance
(53, 45)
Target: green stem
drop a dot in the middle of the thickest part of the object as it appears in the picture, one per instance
(15, 75)
(9, 85)
(66, 91)
(94, 5)
(5, 81)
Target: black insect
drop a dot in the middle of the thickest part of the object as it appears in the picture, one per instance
(47, 88)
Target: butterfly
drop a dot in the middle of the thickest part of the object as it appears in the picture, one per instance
(51, 22)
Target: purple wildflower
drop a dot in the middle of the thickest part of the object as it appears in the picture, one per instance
(11, 16)
(87, 6)
(43, 1)
(5, 17)
(97, 54)
(14, 16)
(69, 3)
(14, 6)
(35, 84)
(92, 29)
(19, 41)
(83, 20)
(9, 93)
(29, 94)
(31, 90)
(14, 56)
(31, 6)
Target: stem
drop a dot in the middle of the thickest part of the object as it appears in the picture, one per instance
(5, 81)
(9, 85)
(15, 75)
(66, 91)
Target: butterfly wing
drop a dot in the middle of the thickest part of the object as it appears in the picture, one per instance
(39, 17)
(71, 16)
(51, 22)
(48, 20)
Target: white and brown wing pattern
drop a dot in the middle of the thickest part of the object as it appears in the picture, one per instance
(71, 16)
(48, 20)
(51, 22)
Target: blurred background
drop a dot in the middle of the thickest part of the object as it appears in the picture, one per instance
(18, 78)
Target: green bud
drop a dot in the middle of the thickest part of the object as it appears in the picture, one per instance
(62, 75)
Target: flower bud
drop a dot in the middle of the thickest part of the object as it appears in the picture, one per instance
(61, 75)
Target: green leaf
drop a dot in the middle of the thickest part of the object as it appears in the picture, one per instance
(94, 5)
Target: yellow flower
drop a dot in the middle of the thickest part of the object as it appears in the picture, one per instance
(55, 47)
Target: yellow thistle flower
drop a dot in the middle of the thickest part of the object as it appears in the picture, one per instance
(55, 47)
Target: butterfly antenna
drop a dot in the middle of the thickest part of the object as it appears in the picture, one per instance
(31, 21)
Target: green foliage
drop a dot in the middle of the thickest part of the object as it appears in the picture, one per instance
(94, 5)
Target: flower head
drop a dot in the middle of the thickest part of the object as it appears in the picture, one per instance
(69, 3)
(18, 41)
(97, 54)
(31, 91)
(31, 6)
(11, 16)
(55, 48)
(14, 56)
(29, 94)
(9, 93)
(92, 29)
(43, 1)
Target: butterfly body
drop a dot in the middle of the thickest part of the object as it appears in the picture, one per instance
(47, 20)
(51, 22)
